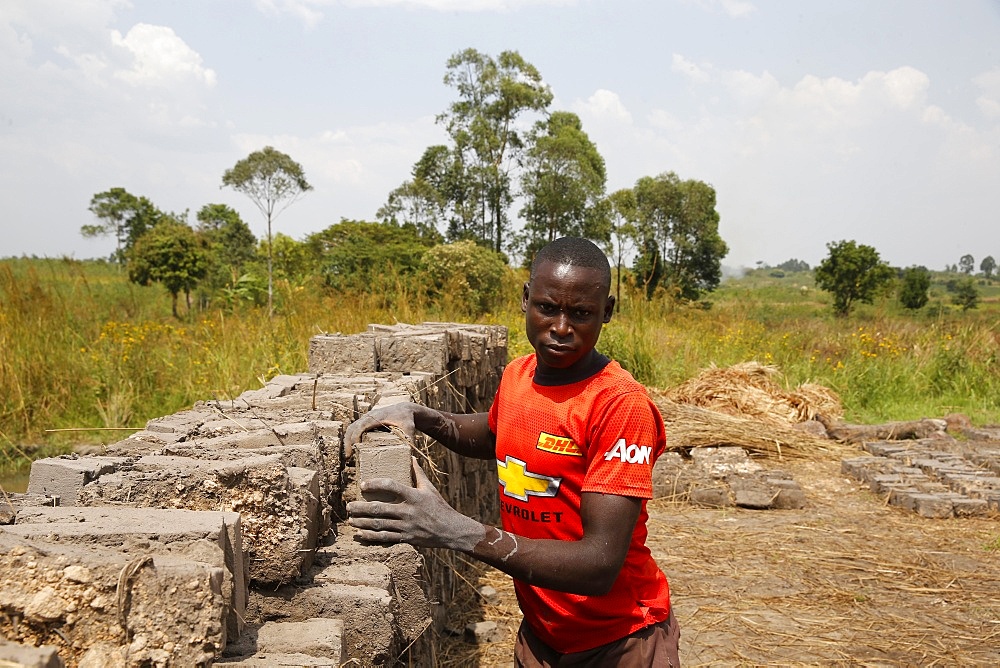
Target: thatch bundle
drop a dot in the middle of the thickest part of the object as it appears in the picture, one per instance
(742, 406)
(749, 390)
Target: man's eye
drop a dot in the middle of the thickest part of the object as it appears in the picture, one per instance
(582, 314)
(546, 308)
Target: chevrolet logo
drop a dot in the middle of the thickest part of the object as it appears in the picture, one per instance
(518, 483)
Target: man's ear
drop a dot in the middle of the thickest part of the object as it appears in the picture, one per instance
(524, 299)
(609, 309)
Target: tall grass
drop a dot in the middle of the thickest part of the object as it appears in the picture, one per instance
(80, 347)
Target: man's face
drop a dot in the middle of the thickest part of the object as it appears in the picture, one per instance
(565, 307)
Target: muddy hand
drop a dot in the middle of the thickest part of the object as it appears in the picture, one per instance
(395, 415)
(421, 516)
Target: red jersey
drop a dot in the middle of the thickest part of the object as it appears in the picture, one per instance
(601, 434)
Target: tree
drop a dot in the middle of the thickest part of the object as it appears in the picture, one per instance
(230, 242)
(648, 266)
(680, 220)
(916, 281)
(966, 295)
(562, 183)
(417, 203)
(966, 264)
(852, 273)
(988, 266)
(272, 181)
(483, 124)
(622, 219)
(169, 253)
(793, 265)
(122, 215)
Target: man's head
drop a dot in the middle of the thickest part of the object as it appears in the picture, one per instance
(566, 302)
(577, 252)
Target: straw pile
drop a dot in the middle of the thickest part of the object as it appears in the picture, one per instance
(743, 406)
(749, 390)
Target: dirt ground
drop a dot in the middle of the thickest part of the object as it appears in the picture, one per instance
(846, 581)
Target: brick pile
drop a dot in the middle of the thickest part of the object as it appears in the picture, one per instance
(724, 477)
(217, 534)
(935, 477)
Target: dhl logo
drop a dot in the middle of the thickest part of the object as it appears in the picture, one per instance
(558, 445)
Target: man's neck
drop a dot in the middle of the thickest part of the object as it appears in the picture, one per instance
(585, 368)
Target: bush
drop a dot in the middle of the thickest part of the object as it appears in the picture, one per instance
(466, 276)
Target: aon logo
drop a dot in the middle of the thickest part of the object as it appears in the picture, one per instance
(633, 454)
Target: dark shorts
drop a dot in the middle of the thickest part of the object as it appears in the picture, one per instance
(652, 646)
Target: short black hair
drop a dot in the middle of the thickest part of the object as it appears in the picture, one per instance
(575, 251)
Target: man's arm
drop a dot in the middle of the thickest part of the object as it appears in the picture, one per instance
(466, 434)
(588, 566)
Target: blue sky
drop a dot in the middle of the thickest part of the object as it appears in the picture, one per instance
(877, 121)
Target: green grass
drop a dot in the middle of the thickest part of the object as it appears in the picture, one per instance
(80, 347)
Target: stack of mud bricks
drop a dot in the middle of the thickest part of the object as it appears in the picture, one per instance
(936, 477)
(724, 477)
(217, 535)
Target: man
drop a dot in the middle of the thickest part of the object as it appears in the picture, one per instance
(575, 438)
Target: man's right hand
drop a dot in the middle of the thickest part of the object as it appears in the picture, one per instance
(395, 415)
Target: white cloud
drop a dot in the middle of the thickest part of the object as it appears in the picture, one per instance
(689, 69)
(603, 105)
(304, 10)
(736, 9)
(160, 58)
(310, 13)
(989, 98)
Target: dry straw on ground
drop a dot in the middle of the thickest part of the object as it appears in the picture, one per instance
(743, 406)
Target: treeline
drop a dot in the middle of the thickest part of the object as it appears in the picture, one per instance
(855, 273)
(506, 147)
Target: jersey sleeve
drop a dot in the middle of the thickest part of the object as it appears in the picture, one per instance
(627, 439)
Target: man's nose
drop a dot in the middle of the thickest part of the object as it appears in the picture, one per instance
(561, 326)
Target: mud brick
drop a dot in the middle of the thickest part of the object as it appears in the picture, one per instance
(880, 484)
(17, 655)
(342, 354)
(714, 497)
(883, 448)
(789, 495)
(932, 505)
(965, 507)
(480, 633)
(384, 456)
(903, 497)
(427, 353)
(65, 476)
(861, 468)
(315, 638)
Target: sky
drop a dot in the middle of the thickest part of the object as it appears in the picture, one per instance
(876, 121)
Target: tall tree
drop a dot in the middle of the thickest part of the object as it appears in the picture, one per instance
(169, 253)
(916, 281)
(483, 123)
(988, 266)
(680, 219)
(622, 218)
(966, 264)
(563, 184)
(415, 202)
(272, 181)
(852, 272)
(123, 216)
(231, 243)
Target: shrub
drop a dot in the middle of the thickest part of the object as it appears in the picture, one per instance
(465, 275)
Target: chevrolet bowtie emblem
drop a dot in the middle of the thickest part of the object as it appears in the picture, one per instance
(518, 483)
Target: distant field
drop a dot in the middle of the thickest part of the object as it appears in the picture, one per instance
(81, 348)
